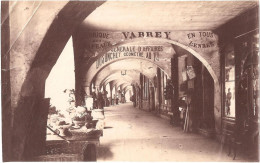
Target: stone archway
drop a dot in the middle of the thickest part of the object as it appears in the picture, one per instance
(213, 68)
(162, 40)
(92, 71)
(127, 79)
(111, 69)
(107, 77)
(143, 64)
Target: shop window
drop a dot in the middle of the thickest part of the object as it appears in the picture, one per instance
(229, 85)
(248, 85)
(164, 80)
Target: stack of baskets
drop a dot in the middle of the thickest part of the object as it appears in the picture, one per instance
(63, 151)
(58, 158)
(79, 146)
(74, 150)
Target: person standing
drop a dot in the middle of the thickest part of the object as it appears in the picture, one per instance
(105, 98)
(94, 96)
(134, 100)
(122, 98)
(100, 100)
(228, 101)
(182, 109)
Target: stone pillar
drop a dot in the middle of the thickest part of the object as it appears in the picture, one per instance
(111, 95)
(78, 52)
(36, 141)
(175, 81)
(190, 94)
(116, 94)
(159, 89)
(29, 134)
(87, 90)
(6, 89)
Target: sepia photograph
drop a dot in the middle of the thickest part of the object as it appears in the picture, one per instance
(130, 81)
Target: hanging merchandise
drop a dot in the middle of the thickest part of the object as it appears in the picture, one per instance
(184, 75)
(186, 122)
(190, 72)
(190, 84)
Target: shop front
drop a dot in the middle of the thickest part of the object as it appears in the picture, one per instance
(240, 80)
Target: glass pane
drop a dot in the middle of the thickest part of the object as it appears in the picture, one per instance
(230, 85)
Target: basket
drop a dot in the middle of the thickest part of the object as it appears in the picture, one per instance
(80, 146)
(56, 147)
(59, 158)
(64, 151)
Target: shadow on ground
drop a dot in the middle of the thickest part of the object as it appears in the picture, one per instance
(104, 152)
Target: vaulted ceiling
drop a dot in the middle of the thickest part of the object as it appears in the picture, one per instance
(159, 16)
(165, 15)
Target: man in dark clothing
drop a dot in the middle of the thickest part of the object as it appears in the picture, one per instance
(122, 98)
(94, 96)
(134, 100)
(100, 100)
(228, 101)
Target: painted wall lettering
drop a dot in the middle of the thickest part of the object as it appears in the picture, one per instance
(98, 35)
(200, 35)
(206, 34)
(191, 35)
(196, 45)
(98, 45)
(132, 35)
(148, 52)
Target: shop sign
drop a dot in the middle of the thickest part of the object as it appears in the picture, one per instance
(132, 35)
(193, 36)
(148, 52)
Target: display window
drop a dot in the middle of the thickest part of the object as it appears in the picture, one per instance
(229, 100)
